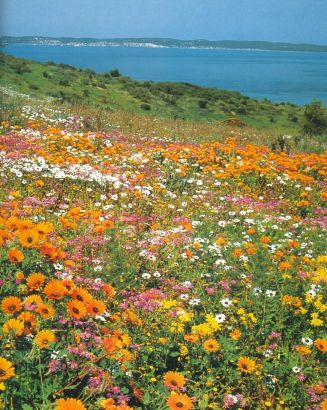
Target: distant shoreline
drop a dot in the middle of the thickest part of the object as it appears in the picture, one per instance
(164, 43)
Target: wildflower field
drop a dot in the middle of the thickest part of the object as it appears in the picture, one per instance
(147, 273)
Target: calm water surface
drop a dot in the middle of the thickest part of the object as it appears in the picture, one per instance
(279, 76)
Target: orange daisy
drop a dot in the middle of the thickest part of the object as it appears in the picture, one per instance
(12, 223)
(70, 404)
(235, 334)
(321, 344)
(45, 310)
(109, 290)
(124, 356)
(82, 295)
(15, 255)
(112, 343)
(31, 302)
(14, 327)
(55, 290)
(174, 380)
(44, 338)
(96, 307)
(11, 304)
(35, 280)
(179, 401)
(69, 285)
(211, 345)
(29, 321)
(246, 365)
(77, 309)
(24, 224)
(43, 228)
(29, 238)
(6, 369)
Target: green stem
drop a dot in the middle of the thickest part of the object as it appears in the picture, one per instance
(41, 378)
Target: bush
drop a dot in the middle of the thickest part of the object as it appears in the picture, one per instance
(115, 73)
(315, 118)
(20, 68)
(64, 82)
(203, 104)
(146, 107)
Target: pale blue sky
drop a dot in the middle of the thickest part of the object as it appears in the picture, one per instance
(298, 21)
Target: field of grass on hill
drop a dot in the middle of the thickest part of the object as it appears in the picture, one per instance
(112, 91)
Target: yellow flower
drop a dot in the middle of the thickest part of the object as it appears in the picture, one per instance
(322, 259)
(214, 325)
(177, 327)
(318, 304)
(183, 350)
(252, 317)
(203, 329)
(315, 321)
(169, 303)
(184, 316)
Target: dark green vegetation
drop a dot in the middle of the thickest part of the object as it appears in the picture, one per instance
(169, 42)
(112, 91)
(315, 119)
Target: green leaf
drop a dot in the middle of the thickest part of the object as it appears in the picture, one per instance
(174, 354)
(146, 398)
(27, 407)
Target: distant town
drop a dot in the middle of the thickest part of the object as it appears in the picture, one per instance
(162, 43)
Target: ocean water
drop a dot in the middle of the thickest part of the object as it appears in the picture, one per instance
(296, 77)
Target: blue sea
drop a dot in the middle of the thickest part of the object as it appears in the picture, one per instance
(280, 76)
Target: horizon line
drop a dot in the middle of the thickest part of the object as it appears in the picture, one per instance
(161, 38)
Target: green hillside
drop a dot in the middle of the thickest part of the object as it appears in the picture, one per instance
(112, 91)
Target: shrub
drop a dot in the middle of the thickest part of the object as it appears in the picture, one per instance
(64, 82)
(315, 118)
(203, 104)
(115, 73)
(146, 107)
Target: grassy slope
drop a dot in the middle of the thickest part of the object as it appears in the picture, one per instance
(167, 100)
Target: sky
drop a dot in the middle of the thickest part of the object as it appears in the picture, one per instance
(295, 21)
